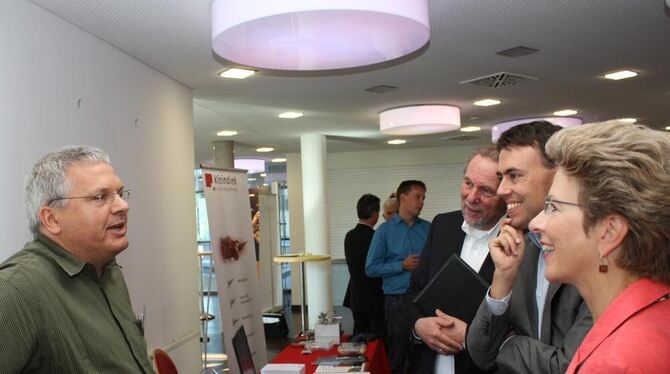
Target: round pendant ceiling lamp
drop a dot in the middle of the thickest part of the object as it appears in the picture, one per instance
(501, 127)
(419, 120)
(251, 165)
(317, 34)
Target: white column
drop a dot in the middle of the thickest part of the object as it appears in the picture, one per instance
(315, 209)
(296, 221)
(223, 153)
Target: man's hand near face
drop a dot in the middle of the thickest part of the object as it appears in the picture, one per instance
(443, 334)
(507, 252)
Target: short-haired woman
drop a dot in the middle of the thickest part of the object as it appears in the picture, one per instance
(605, 229)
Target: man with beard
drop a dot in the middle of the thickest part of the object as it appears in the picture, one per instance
(466, 233)
(525, 324)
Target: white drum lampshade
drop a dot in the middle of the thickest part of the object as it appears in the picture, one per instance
(317, 34)
(501, 127)
(251, 165)
(419, 120)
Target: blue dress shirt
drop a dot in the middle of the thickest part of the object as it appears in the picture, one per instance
(393, 241)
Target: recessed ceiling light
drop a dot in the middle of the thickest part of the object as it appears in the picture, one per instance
(487, 102)
(264, 175)
(667, 128)
(470, 128)
(290, 115)
(397, 141)
(565, 112)
(280, 159)
(237, 73)
(252, 194)
(226, 133)
(251, 179)
(628, 120)
(623, 74)
(265, 149)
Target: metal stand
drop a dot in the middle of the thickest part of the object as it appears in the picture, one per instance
(205, 317)
(303, 312)
(302, 258)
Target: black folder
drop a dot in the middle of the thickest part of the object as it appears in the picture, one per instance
(456, 290)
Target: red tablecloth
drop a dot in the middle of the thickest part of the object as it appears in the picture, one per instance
(377, 360)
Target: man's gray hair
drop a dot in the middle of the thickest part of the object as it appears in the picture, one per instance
(48, 179)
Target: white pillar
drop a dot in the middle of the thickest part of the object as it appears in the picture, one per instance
(315, 210)
(224, 153)
(296, 221)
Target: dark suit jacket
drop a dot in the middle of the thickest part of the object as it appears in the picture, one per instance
(445, 238)
(365, 293)
(565, 322)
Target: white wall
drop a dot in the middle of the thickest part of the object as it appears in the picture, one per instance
(47, 65)
(353, 174)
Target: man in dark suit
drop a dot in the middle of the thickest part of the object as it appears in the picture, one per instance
(465, 233)
(525, 324)
(366, 297)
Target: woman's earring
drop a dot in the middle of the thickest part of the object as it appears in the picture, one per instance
(603, 265)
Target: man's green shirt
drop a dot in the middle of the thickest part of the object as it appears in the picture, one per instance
(57, 316)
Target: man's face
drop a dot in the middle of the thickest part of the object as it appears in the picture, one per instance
(525, 183)
(412, 202)
(93, 230)
(480, 206)
(389, 211)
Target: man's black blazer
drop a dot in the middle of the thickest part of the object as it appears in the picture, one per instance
(365, 293)
(444, 239)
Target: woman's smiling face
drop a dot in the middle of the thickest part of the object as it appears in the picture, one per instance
(570, 253)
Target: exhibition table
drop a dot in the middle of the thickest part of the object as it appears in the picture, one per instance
(375, 352)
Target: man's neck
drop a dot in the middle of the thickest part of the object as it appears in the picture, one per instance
(409, 218)
(98, 265)
(600, 289)
(366, 222)
(488, 228)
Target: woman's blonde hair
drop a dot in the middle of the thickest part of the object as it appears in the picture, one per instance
(623, 169)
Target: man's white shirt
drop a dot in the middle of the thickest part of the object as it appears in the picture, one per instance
(474, 251)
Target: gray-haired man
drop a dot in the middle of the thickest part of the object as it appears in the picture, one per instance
(65, 306)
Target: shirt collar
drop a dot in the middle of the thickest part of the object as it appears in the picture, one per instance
(534, 239)
(396, 219)
(478, 234)
(70, 263)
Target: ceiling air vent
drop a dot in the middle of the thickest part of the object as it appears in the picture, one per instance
(497, 80)
(518, 51)
(381, 89)
(459, 138)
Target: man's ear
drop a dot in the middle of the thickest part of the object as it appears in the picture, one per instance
(49, 220)
(613, 232)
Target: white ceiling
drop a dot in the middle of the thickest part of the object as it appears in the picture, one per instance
(578, 41)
